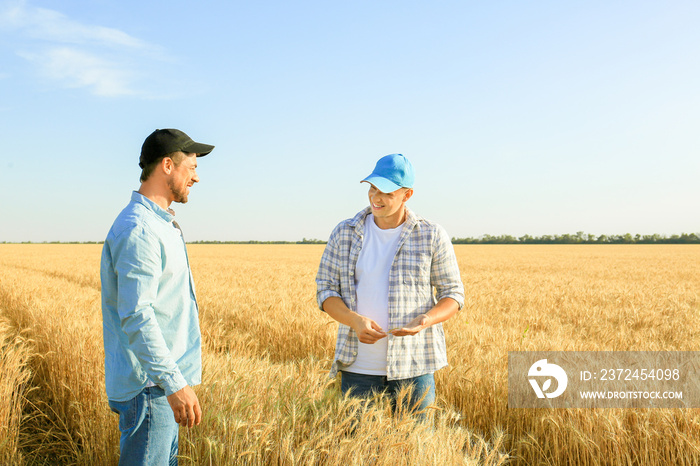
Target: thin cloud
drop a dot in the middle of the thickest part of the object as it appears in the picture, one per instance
(76, 69)
(101, 59)
(50, 25)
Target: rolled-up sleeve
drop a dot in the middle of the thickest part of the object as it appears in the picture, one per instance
(138, 265)
(444, 270)
(328, 276)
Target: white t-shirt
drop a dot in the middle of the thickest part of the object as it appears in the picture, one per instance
(372, 285)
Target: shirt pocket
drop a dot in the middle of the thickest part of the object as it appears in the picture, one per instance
(174, 258)
(414, 266)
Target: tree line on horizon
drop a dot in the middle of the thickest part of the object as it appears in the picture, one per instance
(578, 238)
(583, 238)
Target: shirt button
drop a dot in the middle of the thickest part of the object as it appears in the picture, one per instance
(354, 353)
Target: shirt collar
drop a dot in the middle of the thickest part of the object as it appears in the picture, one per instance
(152, 206)
(358, 221)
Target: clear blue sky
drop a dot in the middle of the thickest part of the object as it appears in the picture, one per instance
(542, 117)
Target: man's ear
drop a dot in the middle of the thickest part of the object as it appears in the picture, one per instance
(167, 165)
(407, 194)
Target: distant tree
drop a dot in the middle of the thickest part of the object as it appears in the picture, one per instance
(525, 239)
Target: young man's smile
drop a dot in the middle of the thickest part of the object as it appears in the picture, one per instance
(388, 208)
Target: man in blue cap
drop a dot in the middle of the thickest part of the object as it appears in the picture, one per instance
(376, 278)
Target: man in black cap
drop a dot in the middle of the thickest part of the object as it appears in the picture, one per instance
(149, 309)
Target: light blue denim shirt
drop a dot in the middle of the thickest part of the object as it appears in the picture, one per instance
(149, 308)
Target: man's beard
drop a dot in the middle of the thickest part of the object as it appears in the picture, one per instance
(179, 195)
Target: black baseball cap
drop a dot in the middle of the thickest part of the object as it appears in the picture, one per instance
(162, 142)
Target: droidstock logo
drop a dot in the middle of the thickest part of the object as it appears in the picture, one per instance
(546, 372)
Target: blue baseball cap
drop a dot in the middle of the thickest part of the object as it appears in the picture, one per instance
(392, 172)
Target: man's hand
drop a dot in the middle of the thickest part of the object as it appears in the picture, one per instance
(421, 322)
(367, 330)
(185, 406)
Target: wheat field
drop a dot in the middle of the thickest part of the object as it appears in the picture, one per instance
(267, 349)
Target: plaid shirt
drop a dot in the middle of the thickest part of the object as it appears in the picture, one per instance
(424, 259)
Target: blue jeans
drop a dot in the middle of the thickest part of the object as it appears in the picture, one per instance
(364, 386)
(148, 427)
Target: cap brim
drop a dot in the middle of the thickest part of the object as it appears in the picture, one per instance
(197, 148)
(382, 184)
